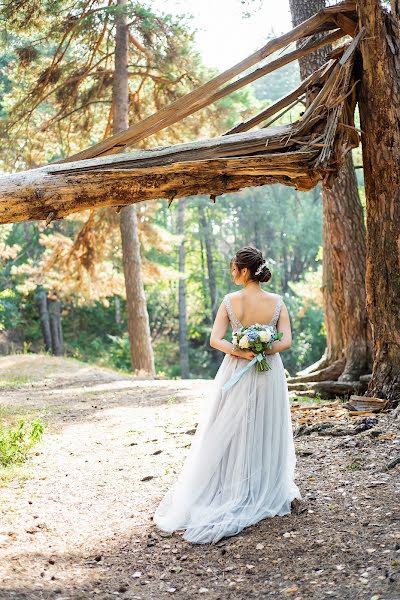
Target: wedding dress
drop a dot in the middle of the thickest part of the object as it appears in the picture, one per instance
(240, 466)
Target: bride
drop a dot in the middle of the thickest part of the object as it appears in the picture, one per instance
(240, 466)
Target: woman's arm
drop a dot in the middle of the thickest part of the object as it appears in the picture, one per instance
(282, 326)
(218, 332)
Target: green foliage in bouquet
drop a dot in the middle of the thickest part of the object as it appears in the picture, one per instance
(257, 338)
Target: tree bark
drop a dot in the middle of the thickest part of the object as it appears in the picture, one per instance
(343, 266)
(344, 294)
(50, 193)
(183, 338)
(379, 104)
(142, 358)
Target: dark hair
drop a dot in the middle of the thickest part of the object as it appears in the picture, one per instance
(252, 258)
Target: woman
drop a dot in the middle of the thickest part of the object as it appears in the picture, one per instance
(240, 466)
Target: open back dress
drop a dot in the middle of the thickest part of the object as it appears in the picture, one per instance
(240, 466)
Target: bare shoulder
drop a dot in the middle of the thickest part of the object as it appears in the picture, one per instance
(266, 295)
(271, 295)
(233, 295)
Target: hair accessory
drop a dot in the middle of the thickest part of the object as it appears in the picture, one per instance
(261, 267)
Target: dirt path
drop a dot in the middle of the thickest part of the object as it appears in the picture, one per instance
(80, 526)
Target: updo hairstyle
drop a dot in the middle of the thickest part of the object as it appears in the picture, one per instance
(252, 258)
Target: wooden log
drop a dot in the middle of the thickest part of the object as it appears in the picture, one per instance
(59, 190)
(366, 378)
(330, 373)
(365, 404)
(326, 387)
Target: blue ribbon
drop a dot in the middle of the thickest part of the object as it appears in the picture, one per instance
(237, 374)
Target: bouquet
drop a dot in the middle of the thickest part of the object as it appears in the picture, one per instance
(256, 338)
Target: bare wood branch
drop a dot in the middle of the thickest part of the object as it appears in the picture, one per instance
(284, 101)
(190, 103)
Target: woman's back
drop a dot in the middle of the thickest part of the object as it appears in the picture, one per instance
(255, 306)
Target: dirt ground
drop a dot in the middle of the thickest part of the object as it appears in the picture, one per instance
(76, 520)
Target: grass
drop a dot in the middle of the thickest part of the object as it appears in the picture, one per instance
(12, 411)
(354, 467)
(317, 399)
(17, 440)
(15, 382)
(12, 473)
(9, 413)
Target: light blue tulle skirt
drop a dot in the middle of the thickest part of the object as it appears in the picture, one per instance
(241, 464)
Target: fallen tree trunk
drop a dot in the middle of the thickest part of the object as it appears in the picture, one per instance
(299, 154)
(326, 388)
(207, 166)
(329, 373)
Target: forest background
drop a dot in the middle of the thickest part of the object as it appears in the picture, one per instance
(47, 114)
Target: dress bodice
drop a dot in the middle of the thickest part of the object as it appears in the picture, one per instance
(236, 324)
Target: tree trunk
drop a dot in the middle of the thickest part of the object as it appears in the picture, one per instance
(54, 306)
(344, 276)
(379, 104)
(41, 299)
(138, 320)
(117, 310)
(178, 171)
(207, 236)
(183, 338)
(285, 264)
(301, 10)
(343, 267)
(203, 269)
(212, 284)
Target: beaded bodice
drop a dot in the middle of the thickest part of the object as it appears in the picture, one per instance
(236, 324)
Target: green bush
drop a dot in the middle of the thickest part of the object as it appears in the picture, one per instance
(17, 440)
(119, 353)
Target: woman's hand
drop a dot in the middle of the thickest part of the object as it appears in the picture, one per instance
(247, 354)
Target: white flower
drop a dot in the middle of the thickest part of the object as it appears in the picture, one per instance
(244, 342)
(265, 335)
(234, 340)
